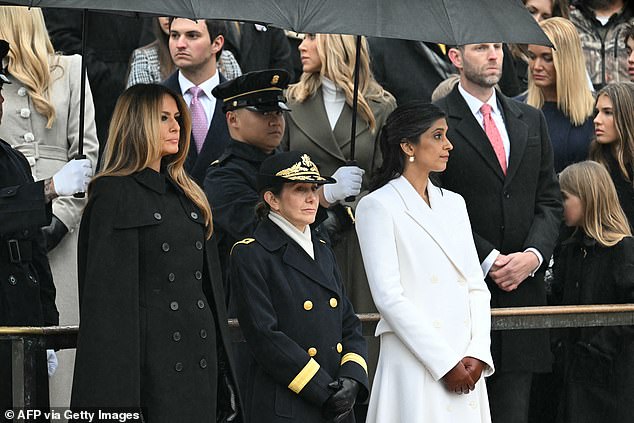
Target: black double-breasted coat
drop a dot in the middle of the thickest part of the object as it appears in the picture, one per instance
(510, 213)
(596, 361)
(27, 292)
(299, 325)
(153, 326)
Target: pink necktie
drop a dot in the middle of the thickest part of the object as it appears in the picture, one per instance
(494, 136)
(199, 118)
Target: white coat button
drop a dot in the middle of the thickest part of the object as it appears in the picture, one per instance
(21, 91)
(25, 113)
(434, 279)
(436, 324)
(473, 404)
(462, 281)
(29, 137)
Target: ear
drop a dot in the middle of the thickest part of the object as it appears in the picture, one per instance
(217, 44)
(232, 118)
(407, 148)
(272, 201)
(456, 57)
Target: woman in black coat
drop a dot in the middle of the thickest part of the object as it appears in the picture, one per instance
(595, 266)
(308, 357)
(153, 327)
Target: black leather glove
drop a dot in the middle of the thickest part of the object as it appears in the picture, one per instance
(54, 233)
(340, 403)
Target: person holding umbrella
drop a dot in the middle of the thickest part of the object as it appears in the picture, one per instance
(308, 357)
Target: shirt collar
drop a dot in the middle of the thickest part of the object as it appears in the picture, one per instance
(206, 86)
(475, 103)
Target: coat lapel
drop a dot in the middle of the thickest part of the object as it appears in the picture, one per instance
(518, 135)
(471, 131)
(343, 127)
(436, 221)
(312, 120)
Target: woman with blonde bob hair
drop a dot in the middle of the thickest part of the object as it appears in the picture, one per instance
(594, 266)
(320, 123)
(150, 289)
(558, 85)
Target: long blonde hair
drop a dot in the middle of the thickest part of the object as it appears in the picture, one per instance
(621, 94)
(134, 141)
(31, 55)
(603, 218)
(574, 97)
(337, 55)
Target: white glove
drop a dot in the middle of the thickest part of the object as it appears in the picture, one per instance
(348, 184)
(73, 177)
(51, 359)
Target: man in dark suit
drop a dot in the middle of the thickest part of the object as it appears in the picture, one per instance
(502, 164)
(195, 47)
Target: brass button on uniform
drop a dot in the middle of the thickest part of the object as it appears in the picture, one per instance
(165, 247)
(12, 280)
(198, 275)
(203, 363)
(178, 367)
(158, 216)
(201, 304)
(199, 245)
(203, 333)
(174, 305)
(339, 347)
(308, 305)
(194, 215)
(333, 302)
(176, 336)
(171, 277)
(312, 351)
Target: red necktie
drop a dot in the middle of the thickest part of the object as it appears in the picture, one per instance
(494, 136)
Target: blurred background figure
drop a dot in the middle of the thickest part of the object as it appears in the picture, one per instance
(595, 266)
(629, 50)
(153, 63)
(557, 85)
(601, 25)
(153, 335)
(613, 145)
(41, 120)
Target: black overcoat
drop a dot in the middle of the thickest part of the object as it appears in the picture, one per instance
(153, 326)
(597, 361)
(299, 325)
(27, 292)
(509, 212)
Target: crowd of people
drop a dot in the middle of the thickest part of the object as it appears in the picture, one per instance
(220, 182)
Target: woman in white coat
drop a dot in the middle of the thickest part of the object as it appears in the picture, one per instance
(425, 279)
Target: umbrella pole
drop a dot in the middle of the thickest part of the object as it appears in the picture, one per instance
(82, 97)
(355, 102)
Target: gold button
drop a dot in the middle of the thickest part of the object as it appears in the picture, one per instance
(333, 302)
(308, 305)
(339, 347)
(312, 351)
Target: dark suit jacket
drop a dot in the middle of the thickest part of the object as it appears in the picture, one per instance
(215, 143)
(508, 213)
(258, 50)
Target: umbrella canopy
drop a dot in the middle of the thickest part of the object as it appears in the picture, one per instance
(451, 22)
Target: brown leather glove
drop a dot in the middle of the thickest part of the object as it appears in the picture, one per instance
(474, 367)
(459, 380)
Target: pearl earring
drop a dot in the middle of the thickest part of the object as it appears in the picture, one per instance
(411, 159)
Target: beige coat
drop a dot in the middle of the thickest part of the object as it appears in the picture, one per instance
(47, 150)
(426, 281)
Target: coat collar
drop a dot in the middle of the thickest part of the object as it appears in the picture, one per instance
(151, 179)
(472, 132)
(436, 220)
(273, 238)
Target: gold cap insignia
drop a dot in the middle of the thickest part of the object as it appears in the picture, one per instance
(235, 104)
(275, 79)
(304, 170)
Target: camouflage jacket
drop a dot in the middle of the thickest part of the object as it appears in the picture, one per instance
(603, 46)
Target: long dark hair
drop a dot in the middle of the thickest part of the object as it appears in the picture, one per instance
(405, 124)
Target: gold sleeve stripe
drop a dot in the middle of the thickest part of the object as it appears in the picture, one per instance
(356, 358)
(304, 376)
(245, 241)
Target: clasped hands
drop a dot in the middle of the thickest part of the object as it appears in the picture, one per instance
(509, 271)
(340, 403)
(464, 375)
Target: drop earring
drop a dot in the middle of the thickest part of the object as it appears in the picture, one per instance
(411, 159)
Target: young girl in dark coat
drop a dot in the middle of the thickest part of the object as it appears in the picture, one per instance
(595, 266)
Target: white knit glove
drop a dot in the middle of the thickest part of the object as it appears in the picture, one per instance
(73, 177)
(348, 184)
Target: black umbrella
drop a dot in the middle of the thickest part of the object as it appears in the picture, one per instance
(453, 22)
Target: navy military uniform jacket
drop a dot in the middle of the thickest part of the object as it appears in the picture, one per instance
(153, 330)
(299, 325)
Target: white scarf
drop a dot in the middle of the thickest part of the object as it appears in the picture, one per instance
(304, 239)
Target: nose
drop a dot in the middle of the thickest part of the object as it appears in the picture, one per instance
(597, 119)
(302, 46)
(630, 58)
(448, 144)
